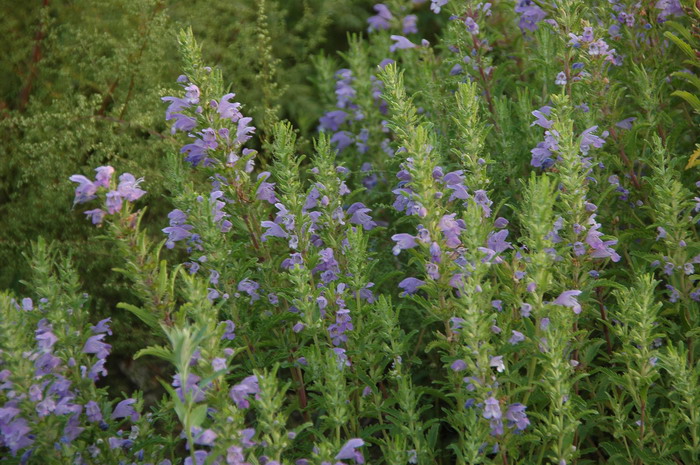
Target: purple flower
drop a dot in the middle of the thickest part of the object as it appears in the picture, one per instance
(27, 304)
(266, 190)
(97, 370)
(86, 189)
(332, 120)
(177, 105)
(200, 457)
(492, 409)
(451, 229)
(102, 327)
(626, 123)
(349, 452)
(456, 69)
(182, 123)
(203, 437)
(128, 187)
(472, 26)
(228, 110)
(525, 310)
(674, 295)
(688, 268)
(191, 388)
(517, 337)
(481, 199)
(458, 365)
(93, 412)
(229, 331)
(243, 132)
(561, 79)
(497, 363)
(94, 345)
(668, 7)
(342, 140)
(358, 215)
(568, 299)
(589, 139)
(410, 24)
(125, 409)
(343, 323)
(517, 416)
(104, 176)
(177, 230)
(342, 357)
(530, 15)
(240, 392)
(113, 202)
(96, 215)
(401, 43)
(250, 287)
(45, 338)
(436, 5)
(381, 19)
(273, 230)
(410, 285)
(497, 241)
(601, 249)
(403, 241)
(15, 433)
(541, 120)
(192, 94)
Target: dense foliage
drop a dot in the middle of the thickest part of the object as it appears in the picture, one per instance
(469, 237)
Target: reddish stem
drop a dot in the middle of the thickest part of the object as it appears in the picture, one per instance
(26, 91)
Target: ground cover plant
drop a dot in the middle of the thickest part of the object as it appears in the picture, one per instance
(484, 251)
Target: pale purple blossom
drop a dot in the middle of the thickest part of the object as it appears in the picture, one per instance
(240, 392)
(492, 409)
(400, 43)
(517, 417)
(125, 409)
(349, 451)
(410, 285)
(568, 299)
(517, 337)
(381, 19)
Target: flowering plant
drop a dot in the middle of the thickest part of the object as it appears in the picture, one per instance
(488, 257)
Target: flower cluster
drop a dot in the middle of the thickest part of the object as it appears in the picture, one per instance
(126, 190)
(228, 132)
(544, 155)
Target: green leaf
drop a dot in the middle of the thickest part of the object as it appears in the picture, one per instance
(691, 78)
(144, 315)
(687, 49)
(198, 415)
(688, 97)
(156, 351)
